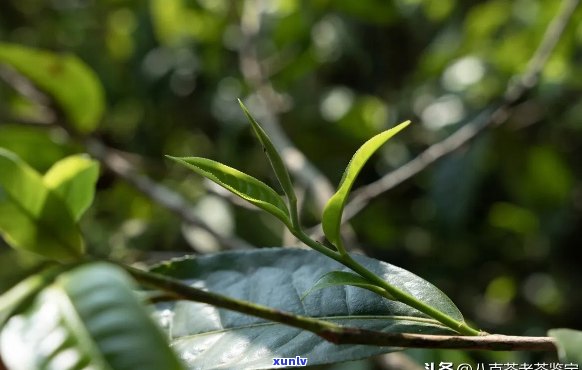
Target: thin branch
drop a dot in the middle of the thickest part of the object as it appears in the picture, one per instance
(336, 333)
(26, 88)
(7, 118)
(485, 342)
(515, 91)
(114, 161)
(158, 193)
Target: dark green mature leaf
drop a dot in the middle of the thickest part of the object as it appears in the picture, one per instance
(339, 278)
(33, 217)
(272, 154)
(332, 213)
(239, 183)
(569, 343)
(207, 337)
(88, 318)
(72, 84)
(74, 179)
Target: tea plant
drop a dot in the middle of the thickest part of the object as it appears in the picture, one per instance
(70, 309)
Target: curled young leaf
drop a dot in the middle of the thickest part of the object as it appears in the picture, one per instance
(274, 157)
(341, 278)
(332, 213)
(239, 183)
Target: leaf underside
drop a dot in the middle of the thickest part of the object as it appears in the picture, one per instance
(207, 337)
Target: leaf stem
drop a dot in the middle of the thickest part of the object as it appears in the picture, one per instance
(398, 294)
(293, 212)
(301, 235)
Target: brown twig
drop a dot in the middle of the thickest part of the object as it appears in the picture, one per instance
(485, 342)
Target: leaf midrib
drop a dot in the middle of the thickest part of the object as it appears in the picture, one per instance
(72, 318)
(421, 320)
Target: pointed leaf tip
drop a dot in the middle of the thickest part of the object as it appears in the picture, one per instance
(332, 213)
(273, 155)
(74, 179)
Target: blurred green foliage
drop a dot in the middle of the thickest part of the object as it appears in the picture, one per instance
(495, 225)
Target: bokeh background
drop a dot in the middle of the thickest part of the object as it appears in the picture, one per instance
(497, 225)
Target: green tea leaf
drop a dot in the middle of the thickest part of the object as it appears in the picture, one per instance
(88, 318)
(208, 337)
(339, 278)
(72, 84)
(569, 343)
(274, 157)
(239, 183)
(33, 217)
(332, 213)
(74, 179)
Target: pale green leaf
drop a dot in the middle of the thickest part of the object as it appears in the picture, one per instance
(74, 179)
(88, 318)
(332, 213)
(569, 343)
(33, 217)
(239, 183)
(340, 278)
(211, 338)
(72, 84)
